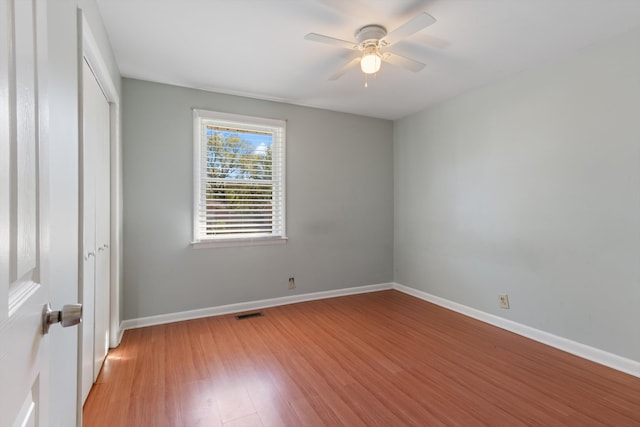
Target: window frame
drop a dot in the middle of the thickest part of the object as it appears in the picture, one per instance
(279, 171)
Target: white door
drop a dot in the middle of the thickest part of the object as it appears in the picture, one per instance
(24, 227)
(95, 229)
(100, 121)
(88, 201)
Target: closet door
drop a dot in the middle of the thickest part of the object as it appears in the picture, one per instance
(103, 231)
(95, 229)
(88, 215)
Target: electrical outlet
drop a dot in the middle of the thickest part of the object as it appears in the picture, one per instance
(503, 300)
(292, 283)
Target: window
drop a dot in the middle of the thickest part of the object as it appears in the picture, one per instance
(239, 179)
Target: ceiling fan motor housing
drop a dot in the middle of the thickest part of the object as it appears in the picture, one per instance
(370, 34)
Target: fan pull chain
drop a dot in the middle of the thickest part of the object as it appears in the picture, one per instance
(366, 79)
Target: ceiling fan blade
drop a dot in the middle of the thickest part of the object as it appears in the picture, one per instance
(331, 40)
(403, 61)
(415, 24)
(352, 63)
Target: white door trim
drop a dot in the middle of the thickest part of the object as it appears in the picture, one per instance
(91, 53)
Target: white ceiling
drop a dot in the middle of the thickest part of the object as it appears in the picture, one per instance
(256, 48)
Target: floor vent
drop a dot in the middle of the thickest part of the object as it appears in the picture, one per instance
(249, 315)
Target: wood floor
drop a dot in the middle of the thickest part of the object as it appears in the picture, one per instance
(382, 358)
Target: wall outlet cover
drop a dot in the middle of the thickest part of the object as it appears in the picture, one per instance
(503, 300)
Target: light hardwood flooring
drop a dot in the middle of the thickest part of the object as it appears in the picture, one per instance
(383, 358)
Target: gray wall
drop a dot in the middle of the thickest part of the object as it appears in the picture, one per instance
(62, 92)
(339, 205)
(532, 187)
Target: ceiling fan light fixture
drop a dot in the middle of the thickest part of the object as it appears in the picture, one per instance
(371, 60)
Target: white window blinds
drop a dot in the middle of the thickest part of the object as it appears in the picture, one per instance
(239, 177)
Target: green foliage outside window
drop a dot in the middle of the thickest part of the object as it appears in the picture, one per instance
(239, 189)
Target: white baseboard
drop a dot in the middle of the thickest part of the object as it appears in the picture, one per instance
(247, 306)
(602, 357)
(115, 336)
(120, 334)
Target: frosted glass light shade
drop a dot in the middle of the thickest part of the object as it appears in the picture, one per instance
(371, 61)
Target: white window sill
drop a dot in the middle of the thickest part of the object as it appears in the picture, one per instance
(248, 241)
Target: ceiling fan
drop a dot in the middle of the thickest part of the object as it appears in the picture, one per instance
(370, 47)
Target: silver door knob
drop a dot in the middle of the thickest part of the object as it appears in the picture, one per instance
(71, 314)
